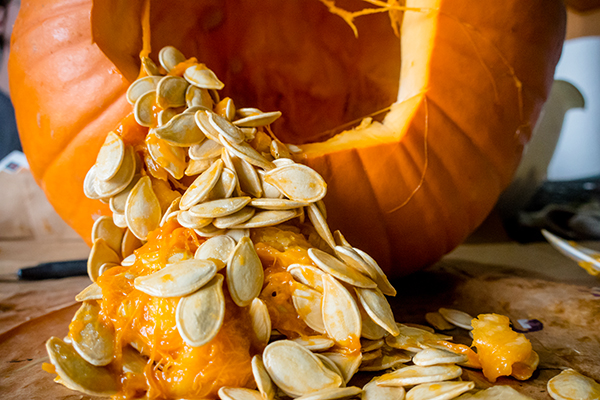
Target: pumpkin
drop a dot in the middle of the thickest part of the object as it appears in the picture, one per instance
(451, 101)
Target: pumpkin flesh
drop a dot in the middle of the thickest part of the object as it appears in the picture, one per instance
(418, 182)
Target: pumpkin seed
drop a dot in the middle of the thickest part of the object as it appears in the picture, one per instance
(378, 308)
(234, 393)
(201, 186)
(181, 130)
(296, 370)
(117, 202)
(133, 361)
(235, 219)
(456, 317)
(248, 178)
(170, 92)
(269, 191)
(92, 292)
(116, 184)
(439, 390)
(371, 355)
(320, 224)
(279, 150)
(191, 221)
(308, 305)
(370, 330)
(261, 321)
(202, 120)
(307, 275)
(164, 116)
(142, 209)
(371, 345)
(267, 218)
(438, 322)
(225, 108)
(206, 150)
(276, 204)
(94, 341)
(202, 77)
(196, 167)
(237, 234)
(413, 339)
(216, 249)
(315, 343)
(438, 356)
(332, 393)
(199, 316)
(280, 162)
(110, 156)
(351, 257)
(209, 231)
(178, 279)
(347, 363)
(143, 109)
(77, 374)
(260, 119)
(219, 208)
(149, 66)
(499, 392)
(415, 375)
(120, 220)
(330, 365)
(225, 128)
(89, 184)
(105, 267)
(195, 96)
(419, 326)
(101, 253)
(340, 240)
(341, 316)
(249, 133)
(178, 255)
(390, 358)
(105, 228)
(338, 269)
(262, 378)
(372, 391)
(244, 273)
(225, 186)
(128, 261)
(141, 86)
(571, 385)
(169, 57)
(246, 152)
(298, 182)
(130, 243)
(247, 111)
(171, 158)
(377, 274)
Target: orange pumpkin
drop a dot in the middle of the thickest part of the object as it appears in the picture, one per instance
(456, 96)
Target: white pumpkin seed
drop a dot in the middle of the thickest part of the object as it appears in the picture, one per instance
(100, 254)
(247, 111)
(164, 116)
(390, 358)
(338, 269)
(297, 182)
(315, 343)
(129, 244)
(202, 77)
(235, 219)
(351, 257)
(371, 345)
(92, 292)
(216, 249)
(372, 391)
(340, 240)
(143, 109)
(170, 92)
(203, 122)
(77, 374)
(415, 375)
(320, 224)
(245, 273)
(436, 320)
(308, 305)
(438, 356)
(195, 96)
(332, 393)
(141, 86)
(248, 178)
(149, 67)
(92, 339)
(341, 316)
(234, 393)
(169, 157)
(280, 162)
(414, 339)
(262, 378)
(173, 207)
(307, 275)
(267, 218)
(330, 365)
(371, 355)
(191, 221)
(456, 317)
(110, 156)
(279, 150)
(439, 390)
(209, 231)
(378, 308)
(219, 208)
(169, 57)
(199, 316)
(276, 204)
(269, 191)
(237, 234)
(201, 186)
(177, 279)
(206, 150)
(142, 209)
(225, 128)
(377, 274)
(348, 364)
(181, 130)
(105, 267)
(116, 184)
(247, 152)
(259, 119)
(296, 370)
(571, 385)
(261, 321)
(226, 108)
(128, 261)
(117, 202)
(196, 167)
(89, 184)
(225, 186)
(105, 228)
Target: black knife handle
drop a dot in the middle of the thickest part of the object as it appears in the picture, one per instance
(53, 270)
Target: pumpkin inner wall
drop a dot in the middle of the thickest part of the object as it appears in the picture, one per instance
(293, 56)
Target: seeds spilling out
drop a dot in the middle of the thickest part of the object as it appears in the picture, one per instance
(218, 272)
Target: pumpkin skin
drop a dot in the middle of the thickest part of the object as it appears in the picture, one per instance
(408, 189)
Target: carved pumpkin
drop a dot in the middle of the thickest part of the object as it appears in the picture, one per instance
(457, 95)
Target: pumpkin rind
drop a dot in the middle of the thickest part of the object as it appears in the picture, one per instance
(415, 184)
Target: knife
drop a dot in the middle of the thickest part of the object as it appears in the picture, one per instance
(53, 270)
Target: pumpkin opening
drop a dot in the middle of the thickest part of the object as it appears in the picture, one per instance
(293, 56)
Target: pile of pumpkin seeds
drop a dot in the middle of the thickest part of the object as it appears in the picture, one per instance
(238, 188)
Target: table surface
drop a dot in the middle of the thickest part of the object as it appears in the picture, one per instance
(520, 281)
